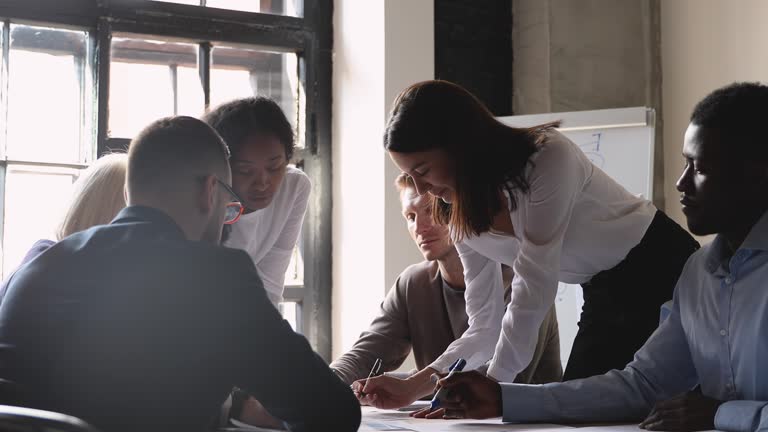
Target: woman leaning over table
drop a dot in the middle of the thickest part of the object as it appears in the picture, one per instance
(275, 194)
(529, 198)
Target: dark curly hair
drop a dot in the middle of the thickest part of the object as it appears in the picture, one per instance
(739, 110)
(241, 119)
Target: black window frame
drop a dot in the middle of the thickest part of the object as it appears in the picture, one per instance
(309, 36)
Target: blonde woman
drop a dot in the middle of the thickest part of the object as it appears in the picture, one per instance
(97, 196)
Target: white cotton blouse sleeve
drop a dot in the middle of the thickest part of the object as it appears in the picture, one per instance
(559, 174)
(270, 234)
(485, 307)
(273, 266)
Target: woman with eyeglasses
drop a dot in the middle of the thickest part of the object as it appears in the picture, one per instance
(274, 194)
(529, 198)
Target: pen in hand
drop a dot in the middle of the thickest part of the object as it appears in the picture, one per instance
(374, 372)
(457, 366)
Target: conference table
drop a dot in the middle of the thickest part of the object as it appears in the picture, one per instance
(375, 420)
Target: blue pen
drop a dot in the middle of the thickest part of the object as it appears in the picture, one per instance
(457, 366)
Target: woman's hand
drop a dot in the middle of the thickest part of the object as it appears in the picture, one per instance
(387, 392)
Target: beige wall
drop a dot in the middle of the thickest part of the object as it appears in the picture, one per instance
(588, 55)
(705, 44)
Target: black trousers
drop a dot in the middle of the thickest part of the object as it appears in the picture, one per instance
(621, 305)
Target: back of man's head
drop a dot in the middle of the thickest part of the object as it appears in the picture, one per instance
(170, 163)
(171, 149)
(738, 111)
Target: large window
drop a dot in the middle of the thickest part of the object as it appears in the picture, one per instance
(80, 78)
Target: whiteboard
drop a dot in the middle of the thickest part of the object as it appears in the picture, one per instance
(621, 143)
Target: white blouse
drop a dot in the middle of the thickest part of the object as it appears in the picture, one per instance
(573, 223)
(270, 234)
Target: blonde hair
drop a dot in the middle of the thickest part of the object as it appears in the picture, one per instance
(97, 197)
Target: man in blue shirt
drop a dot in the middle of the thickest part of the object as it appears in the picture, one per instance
(705, 366)
(146, 324)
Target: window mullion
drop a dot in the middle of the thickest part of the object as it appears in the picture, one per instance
(91, 101)
(103, 59)
(204, 70)
(4, 89)
(173, 69)
(80, 72)
(3, 170)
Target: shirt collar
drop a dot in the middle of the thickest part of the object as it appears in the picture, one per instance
(756, 240)
(152, 215)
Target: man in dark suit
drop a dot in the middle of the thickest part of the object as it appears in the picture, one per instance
(147, 323)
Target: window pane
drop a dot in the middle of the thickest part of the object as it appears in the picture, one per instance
(290, 313)
(150, 79)
(241, 72)
(46, 100)
(275, 7)
(27, 218)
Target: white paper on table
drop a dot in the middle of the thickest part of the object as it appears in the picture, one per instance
(614, 428)
(373, 419)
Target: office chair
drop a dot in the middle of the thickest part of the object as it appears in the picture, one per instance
(18, 419)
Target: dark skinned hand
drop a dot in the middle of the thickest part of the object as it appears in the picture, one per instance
(690, 411)
(470, 395)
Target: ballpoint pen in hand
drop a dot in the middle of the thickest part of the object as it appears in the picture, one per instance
(457, 366)
(374, 371)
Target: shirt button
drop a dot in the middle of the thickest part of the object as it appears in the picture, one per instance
(723, 333)
(728, 280)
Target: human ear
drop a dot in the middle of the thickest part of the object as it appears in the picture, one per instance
(207, 194)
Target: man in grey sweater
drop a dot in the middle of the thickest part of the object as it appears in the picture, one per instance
(425, 311)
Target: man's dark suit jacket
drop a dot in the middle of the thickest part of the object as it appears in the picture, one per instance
(130, 326)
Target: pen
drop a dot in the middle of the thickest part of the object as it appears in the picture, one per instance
(374, 371)
(457, 366)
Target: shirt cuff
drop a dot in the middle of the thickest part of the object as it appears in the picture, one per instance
(522, 403)
(499, 373)
(739, 415)
(441, 365)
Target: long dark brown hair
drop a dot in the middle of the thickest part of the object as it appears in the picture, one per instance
(488, 156)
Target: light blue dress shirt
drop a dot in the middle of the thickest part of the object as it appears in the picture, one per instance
(716, 335)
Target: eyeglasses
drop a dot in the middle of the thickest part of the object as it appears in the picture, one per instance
(235, 208)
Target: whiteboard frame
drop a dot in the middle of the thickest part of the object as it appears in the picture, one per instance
(597, 119)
